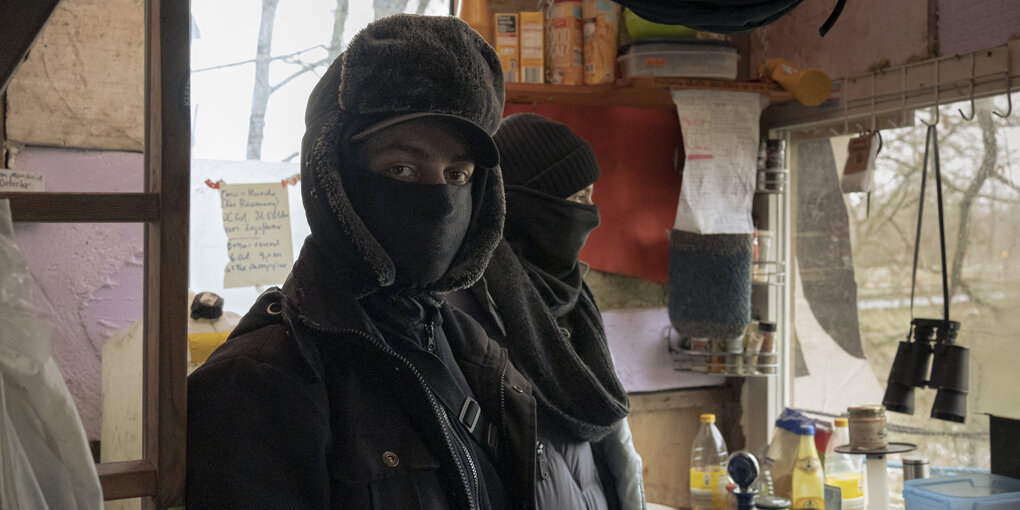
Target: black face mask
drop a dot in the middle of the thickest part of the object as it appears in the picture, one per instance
(421, 226)
(548, 233)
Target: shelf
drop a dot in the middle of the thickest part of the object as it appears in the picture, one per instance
(634, 92)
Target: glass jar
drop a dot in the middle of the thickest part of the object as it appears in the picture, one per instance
(868, 427)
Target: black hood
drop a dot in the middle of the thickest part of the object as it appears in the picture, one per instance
(339, 233)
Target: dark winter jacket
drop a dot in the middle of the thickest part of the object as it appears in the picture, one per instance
(306, 407)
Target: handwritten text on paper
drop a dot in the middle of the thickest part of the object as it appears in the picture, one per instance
(256, 218)
(11, 180)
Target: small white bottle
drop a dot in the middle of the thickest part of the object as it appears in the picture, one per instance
(844, 470)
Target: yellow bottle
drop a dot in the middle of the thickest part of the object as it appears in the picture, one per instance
(708, 467)
(808, 478)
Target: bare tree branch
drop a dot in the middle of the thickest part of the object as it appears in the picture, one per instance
(304, 69)
(337, 39)
(985, 170)
(262, 90)
(254, 60)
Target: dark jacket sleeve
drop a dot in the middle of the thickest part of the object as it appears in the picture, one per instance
(258, 435)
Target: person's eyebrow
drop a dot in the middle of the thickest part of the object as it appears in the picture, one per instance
(420, 152)
(403, 147)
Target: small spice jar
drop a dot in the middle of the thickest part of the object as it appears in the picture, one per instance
(868, 427)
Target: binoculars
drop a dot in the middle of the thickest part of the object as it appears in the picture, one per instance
(949, 370)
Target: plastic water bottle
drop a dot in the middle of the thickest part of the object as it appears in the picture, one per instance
(844, 470)
(708, 467)
(808, 478)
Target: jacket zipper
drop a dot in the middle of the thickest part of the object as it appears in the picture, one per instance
(430, 336)
(471, 487)
(543, 461)
(502, 401)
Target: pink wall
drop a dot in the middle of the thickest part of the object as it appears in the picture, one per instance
(873, 34)
(870, 33)
(971, 25)
(88, 274)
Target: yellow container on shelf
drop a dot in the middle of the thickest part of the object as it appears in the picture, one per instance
(532, 47)
(564, 42)
(601, 26)
(507, 46)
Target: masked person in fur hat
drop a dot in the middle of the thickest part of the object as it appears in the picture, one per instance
(534, 301)
(356, 385)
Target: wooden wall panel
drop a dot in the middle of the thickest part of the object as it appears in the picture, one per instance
(83, 82)
(664, 425)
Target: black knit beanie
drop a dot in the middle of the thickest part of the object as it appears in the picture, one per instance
(544, 155)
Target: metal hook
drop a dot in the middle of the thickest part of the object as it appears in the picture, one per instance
(972, 112)
(936, 106)
(1009, 102)
(971, 81)
(879, 135)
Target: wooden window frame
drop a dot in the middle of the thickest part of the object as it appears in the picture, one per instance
(159, 476)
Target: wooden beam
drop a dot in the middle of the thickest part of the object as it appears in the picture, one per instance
(20, 24)
(3, 129)
(167, 163)
(129, 479)
(681, 399)
(84, 207)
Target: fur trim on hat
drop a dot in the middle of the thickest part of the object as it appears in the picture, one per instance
(408, 63)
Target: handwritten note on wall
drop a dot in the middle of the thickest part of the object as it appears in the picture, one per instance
(11, 180)
(256, 218)
(720, 130)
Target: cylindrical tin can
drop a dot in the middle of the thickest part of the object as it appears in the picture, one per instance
(915, 467)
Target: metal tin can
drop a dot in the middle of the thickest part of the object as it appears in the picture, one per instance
(915, 467)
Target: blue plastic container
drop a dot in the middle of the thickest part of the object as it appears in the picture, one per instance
(963, 492)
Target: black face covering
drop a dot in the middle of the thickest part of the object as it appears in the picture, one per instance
(547, 233)
(421, 226)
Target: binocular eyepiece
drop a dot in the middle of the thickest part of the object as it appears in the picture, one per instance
(949, 371)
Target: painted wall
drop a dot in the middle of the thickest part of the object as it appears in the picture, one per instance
(89, 275)
(873, 34)
(976, 24)
(868, 35)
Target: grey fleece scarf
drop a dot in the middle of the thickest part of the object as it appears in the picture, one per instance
(575, 381)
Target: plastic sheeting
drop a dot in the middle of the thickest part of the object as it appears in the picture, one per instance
(45, 462)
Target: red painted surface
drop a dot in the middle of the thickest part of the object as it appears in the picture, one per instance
(639, 187)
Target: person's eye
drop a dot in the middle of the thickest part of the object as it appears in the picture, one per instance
(402, 172)
(578, 197)
(458, 176)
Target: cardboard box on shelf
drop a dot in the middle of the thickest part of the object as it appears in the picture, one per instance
(507, 31)
(532, 47)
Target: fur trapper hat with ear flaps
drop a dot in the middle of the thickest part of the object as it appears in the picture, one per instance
(398, 68)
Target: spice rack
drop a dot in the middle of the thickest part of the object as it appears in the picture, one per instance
(711, 356)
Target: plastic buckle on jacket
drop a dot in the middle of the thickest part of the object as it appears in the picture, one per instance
(470, 412)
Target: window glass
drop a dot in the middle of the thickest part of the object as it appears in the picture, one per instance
(853, 255)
